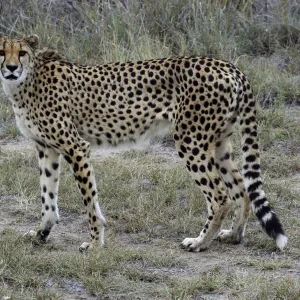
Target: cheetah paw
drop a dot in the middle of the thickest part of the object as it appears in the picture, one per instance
(86, 246)
(224, 234)
(193, 245)
(36, 236)
(229, 237)
(30, 234)
(40, 235)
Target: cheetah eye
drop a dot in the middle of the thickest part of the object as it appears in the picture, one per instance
(22, 53)
(2, 52)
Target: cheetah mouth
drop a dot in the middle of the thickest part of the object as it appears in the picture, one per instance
(11, 77)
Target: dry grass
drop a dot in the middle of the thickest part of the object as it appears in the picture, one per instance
(149, 199)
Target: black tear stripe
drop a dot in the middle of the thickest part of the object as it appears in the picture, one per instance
(4, 56)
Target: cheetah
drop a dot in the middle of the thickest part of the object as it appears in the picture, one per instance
(65, 108)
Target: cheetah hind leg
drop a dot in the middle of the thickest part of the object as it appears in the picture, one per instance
(232, 178)
(90, 245)
(218, 203)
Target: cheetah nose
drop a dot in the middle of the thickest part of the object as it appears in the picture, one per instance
(12, 67)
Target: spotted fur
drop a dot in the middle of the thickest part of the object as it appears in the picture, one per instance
(65, 107)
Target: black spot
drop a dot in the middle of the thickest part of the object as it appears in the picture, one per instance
(68, 159)
(187, 140)
(47, 172)
(187, 114)
(202, 168)
(76, 167)
(256, 167)
(78, 158)
(187, 64)
(223, 171)
(210, 78)
(183, 149)
(226, 156)
(41, 154)
(181, 155)
(203, 181)
(195, 151)
(199, 136)
(195, 168)
(55, 166)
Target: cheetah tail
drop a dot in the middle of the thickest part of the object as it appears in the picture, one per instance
(251, 172)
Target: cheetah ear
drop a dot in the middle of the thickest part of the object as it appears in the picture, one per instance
(32, 41)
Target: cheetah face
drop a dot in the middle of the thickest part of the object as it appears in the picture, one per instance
(16, 58)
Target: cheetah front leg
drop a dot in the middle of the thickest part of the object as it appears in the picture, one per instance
(49, 164)
(79, 158)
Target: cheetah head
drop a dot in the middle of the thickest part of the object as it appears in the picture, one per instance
(16, 57)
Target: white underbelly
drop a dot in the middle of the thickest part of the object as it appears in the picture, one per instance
(138, 142)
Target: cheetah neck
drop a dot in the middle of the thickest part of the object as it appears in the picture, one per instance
(13, 88)
(10, 89)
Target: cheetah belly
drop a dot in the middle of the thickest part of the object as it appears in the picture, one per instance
(136, 141)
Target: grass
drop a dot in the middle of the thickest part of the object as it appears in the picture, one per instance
(149, 200)
(276, 81)
(32, 268)
(8, 127)
(241, 285)
(123, 30)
